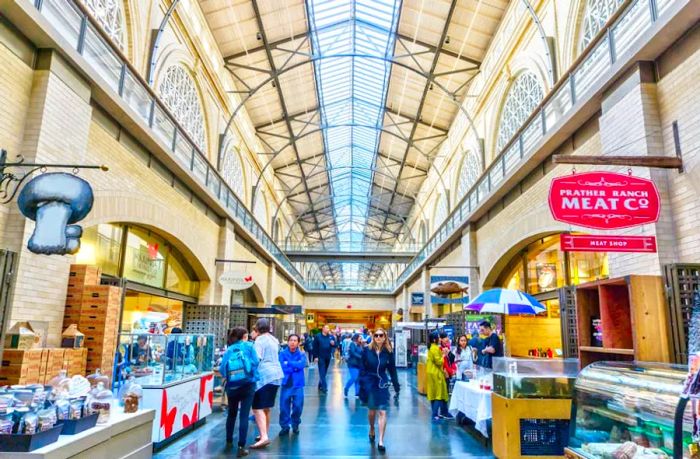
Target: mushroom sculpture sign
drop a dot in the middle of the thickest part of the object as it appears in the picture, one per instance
(55, 201)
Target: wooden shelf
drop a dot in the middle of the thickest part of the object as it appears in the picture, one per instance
(607, 350)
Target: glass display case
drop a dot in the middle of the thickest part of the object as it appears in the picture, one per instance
(534, 378)
(631, 408)
(160, 360)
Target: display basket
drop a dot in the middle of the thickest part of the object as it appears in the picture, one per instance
(75, 426)
(24, 443)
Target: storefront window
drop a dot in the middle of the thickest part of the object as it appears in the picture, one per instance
(587, 267)
(545, 266)
(149, 313)
(101, 246)
(144, 261)
(515, 280)
(179, 276)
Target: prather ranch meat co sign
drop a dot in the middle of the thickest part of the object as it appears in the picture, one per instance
(604, 200)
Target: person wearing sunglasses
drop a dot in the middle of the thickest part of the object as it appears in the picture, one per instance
(378, 360)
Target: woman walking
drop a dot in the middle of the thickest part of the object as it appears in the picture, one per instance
(377, 360)
(239, 368)
(354, 361)
(437, 386)
(271, 376)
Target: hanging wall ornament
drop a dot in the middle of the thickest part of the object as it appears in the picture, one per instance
(55, 201)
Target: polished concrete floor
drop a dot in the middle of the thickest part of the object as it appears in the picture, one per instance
(333, 427)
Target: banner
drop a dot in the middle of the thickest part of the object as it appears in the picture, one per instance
(449, 289)
(604, 200)
(417, 299)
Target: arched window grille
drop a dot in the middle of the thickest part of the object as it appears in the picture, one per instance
(595, 16)
(524, 96)
(440, 212)
(232, 172)
(108, 13)
(260, 210)
(179, 93)
(468, 173)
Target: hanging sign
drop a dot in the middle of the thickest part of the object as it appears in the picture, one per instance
(236, 280)
(417, 299)
(598, 243)
(449, 289)
(604, 200)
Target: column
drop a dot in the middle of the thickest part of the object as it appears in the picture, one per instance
(226, 251)
(470, 256)
(425, 278)
(56, 131)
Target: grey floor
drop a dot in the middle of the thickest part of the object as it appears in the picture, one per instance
(333, 427)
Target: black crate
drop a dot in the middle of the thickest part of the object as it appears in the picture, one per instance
(543, 437)
(75, 426)
(23, 443)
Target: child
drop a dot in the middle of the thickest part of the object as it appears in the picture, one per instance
(293, 361)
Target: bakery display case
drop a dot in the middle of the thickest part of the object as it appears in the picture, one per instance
(534, 378)
(175, 374)
(629, 409)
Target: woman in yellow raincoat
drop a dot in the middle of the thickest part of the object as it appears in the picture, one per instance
(437, 386)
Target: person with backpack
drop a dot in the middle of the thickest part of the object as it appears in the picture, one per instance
(239, 368)
(293, 361)
(271, 376)
(354, 359)
(308, 346)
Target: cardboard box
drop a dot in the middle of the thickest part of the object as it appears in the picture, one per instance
(21, 336)
(72, 337)
(84, 275)
(21, 356)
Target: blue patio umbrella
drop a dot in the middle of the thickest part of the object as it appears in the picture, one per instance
(505, 301)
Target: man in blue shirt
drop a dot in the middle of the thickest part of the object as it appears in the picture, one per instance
(323, 347)
(293, 362)
(492, 346)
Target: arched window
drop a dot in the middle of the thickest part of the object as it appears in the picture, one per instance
(441, 211)
(108, 13)
(260, 210)
(179, 94)
(523, 97)
(468, 173)
(595, 16)
(232, 172)
(423, 233)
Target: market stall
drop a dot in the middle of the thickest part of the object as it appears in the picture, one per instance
(427, 325)
(175, 372)
(531, 405)
(473, 399)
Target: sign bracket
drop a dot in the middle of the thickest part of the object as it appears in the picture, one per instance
(661, 162)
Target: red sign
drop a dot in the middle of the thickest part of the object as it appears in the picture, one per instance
(597, 243)
(604, 200)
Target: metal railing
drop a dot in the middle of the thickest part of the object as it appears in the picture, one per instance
(625, 28)
(79, 29)
(352, 247)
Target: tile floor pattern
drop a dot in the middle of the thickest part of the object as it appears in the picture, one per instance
(333, 427)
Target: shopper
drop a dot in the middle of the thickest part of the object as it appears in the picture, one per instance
(239, 369)
(437, 386)
(492, 344)
(464, 357)
(347, 339)
(271, 377)
(378, 359)
(308, 346)
(293, 361)
(354, 360)
(323, 346)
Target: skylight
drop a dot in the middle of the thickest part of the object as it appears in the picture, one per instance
(352, 91)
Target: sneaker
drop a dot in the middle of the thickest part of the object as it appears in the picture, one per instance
(436, 419)
(284, 431)
(242, 452)
(447, 416)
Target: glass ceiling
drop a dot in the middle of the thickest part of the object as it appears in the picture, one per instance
(352, 94)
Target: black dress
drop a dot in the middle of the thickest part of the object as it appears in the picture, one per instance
(374, 381)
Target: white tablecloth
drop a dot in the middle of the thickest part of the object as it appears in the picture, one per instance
(473, 402)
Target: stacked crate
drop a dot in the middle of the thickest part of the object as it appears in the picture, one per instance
(81, 276)
(99, 322)
(39, 366)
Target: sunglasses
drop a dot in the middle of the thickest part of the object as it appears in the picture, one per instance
(379, 335)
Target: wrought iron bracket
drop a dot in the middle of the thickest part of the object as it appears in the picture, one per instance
(11, 181)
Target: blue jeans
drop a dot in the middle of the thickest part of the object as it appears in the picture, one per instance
(291, 399)
(240, 399)
(438, 406)
(323, 364)
(354, 379)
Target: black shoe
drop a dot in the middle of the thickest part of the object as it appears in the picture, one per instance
(284, 431)
(242, 452)
(381, 448)
(295, 429)
(371, 438)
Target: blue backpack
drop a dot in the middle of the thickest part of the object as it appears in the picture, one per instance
(240, 370)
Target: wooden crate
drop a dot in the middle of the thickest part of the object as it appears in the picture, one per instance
(81, 275)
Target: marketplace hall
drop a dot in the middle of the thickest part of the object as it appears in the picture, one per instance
(350, 228)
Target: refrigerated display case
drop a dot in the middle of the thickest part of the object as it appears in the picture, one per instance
(175, 372)
(632, 408)
(534, 378)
